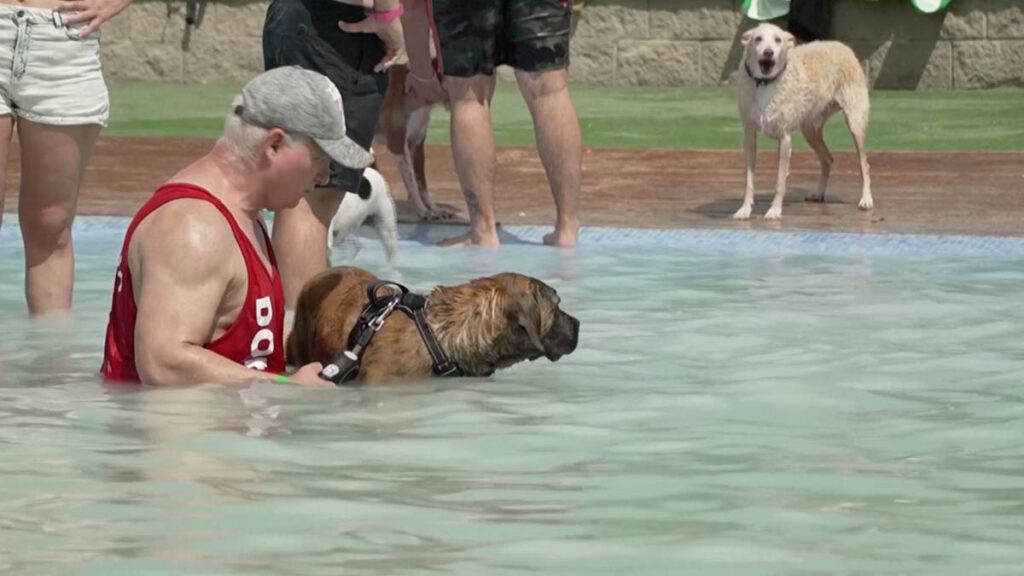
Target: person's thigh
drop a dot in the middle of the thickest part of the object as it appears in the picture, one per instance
(61, 102)
(467, 33)
(53, 160)
(535, 35)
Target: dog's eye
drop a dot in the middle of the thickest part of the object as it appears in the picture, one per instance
(778, 40)
(757, 39)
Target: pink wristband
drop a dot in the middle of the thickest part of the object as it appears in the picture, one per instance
(389, 15)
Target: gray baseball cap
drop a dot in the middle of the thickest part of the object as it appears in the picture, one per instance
(306, 103)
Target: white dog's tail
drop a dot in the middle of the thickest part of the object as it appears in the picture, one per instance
(379, 207)
(382, 210)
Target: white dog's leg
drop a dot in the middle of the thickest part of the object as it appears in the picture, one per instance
(855, 104)
(412, 171)
(856, 121)
(750, 155)
(785, 150)
(814, 137)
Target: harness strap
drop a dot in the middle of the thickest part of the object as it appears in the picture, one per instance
(345, 366)
(415, 306)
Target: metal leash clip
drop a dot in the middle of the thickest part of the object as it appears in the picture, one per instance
(345, 366)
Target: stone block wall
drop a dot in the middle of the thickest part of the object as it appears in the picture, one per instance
(972, 44)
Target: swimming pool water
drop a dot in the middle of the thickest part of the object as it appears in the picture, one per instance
(740, 403)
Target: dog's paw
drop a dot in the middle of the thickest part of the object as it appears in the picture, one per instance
(814, 197)
(773, 213)
(866, 203)
(743, 213)
(435, 214)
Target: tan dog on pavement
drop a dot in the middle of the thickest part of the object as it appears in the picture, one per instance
(782, 87)
(402, 127)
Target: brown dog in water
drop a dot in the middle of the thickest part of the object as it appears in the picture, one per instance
(483, 325)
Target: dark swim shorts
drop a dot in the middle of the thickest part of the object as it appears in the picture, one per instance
(476, 36)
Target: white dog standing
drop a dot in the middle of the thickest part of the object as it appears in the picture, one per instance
(781, 87)
(373, 205)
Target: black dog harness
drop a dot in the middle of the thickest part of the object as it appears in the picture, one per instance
(345, 366)
(763, 81)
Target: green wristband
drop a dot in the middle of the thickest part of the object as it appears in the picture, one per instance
(281, 378)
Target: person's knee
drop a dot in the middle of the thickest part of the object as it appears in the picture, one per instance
(476, 90)
(49, 227)
(535, 85)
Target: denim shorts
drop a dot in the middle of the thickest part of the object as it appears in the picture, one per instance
(47, 73)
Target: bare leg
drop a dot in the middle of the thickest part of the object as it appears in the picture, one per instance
(6, 129)
(816, 139)
(53, 159)
(560, 145)
(750, 156)
(300, 239)
(473, 150)
(785, 151)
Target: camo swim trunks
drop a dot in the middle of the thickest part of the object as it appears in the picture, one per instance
(475, 36)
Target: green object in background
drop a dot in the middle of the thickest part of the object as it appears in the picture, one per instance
(929, 6)
(765, 9)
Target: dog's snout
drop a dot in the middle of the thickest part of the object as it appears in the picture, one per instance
(768, 52)
(574, 333)
(563, 337)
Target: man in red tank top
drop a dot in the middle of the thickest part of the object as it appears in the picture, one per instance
(197, 293)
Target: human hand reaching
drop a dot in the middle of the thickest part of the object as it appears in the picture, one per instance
(309, 375)
(390, 32)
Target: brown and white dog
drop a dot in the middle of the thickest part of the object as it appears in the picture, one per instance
(781, 87)
(402, 127)
(483, 325)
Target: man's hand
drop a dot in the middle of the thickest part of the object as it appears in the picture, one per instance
(425, 86)
(95, 12)
(389, 32)
(308, 376)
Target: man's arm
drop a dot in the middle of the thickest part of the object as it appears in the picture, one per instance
(422, 81)
(182, 272)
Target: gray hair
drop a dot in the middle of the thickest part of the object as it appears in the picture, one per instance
(242, 140)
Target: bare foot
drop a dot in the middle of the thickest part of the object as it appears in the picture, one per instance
(470, 240)
(561, 238)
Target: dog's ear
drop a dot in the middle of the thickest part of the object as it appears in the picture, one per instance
(789, 39)
(745, 38)
(524, 308)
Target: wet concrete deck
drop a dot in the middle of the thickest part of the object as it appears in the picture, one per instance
(977, 193)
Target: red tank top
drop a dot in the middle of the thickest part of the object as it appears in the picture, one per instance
(255, 339)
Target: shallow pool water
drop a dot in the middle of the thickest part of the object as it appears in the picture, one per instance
(731, 409)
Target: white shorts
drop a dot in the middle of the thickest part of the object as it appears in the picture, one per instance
(47, 73)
